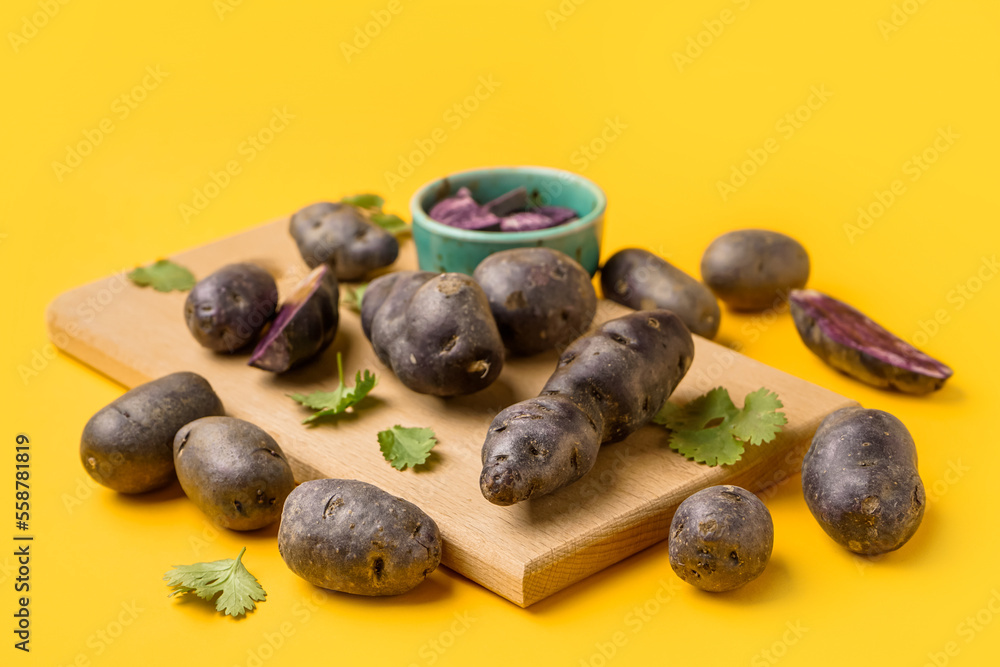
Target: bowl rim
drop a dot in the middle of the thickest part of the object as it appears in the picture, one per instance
(422, 218)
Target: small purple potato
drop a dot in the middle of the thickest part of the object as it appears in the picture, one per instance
(353, 537)
(541, 298)
(854, 344)
(720, 538)
(233, 471)
(754, 269)
(607, 385)
(305, 326)
(127, 445)
(338, 235)
(230, 308)
(639, 279)
(860, 481)
(435, 331)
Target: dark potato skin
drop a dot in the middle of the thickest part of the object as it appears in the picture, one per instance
(720, 538)
(639, 279)
(754, 269)
(229, 308)
(541, 298)
(233, 471)
(435, 331)
(305, 326)
(860, 481)
(338, 235)
(127, 445)
(353, 537)
(607, 385)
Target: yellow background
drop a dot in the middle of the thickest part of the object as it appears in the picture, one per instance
(98, 557)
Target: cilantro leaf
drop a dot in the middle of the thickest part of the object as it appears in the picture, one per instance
(391, 223)
(710, 429)
(352, 297)
(330, 403)
(406, 446)
(364, 201)
(163, 276)
(239, 589)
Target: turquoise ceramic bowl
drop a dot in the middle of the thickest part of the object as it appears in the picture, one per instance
(444, 248)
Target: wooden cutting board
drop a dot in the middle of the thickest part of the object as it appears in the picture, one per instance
(525, 552)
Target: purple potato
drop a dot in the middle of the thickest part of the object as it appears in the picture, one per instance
(641, 280)
(852, 343)
(754, 269)
(340, 236)
(526, 221)
(461, 211)
(508, 202)
(860, 481)
(606, 386)
(306, 324)
(435, 331)
(233, 471)
(558, 214)
(353, 537)
(128, 445)
(541, 298)
(720, 538)
(228, 309)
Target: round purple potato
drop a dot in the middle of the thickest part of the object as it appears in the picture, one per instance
(853, 343)
(228, 309)
(128, 445)
(541, 298)
(607, 385)
(353, 537)
(338, 235)
(860, 481)
(306, 324)
(754, 269)
(435, 331)
(720, 538)
(639, 279)
(233, 471)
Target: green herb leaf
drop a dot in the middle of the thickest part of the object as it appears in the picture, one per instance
(406, 446)
(364, 201)
(163, 276)
(710, 429)
(239, 589)
(391, 223)
(352, 297)
(330, 403)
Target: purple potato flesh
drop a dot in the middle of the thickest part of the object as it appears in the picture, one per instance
(462, 211)
(526, 221)
(853, 343)
(558, 214)
(510, 212)
(305, 326)
(607, 385)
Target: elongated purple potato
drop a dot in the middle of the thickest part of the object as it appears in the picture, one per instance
(541, 298)
(435, 331)
(639, 279)
(607, 385)
(305, 326)
(228, 309)
(860, 480)
(851, 342)
(338, 235)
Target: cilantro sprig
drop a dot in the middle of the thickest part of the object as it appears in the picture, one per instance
(330, 403)
(163, 276)
(712, 430)
(406, 446)
(371, 206)
(353, 296)
(238, 588)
